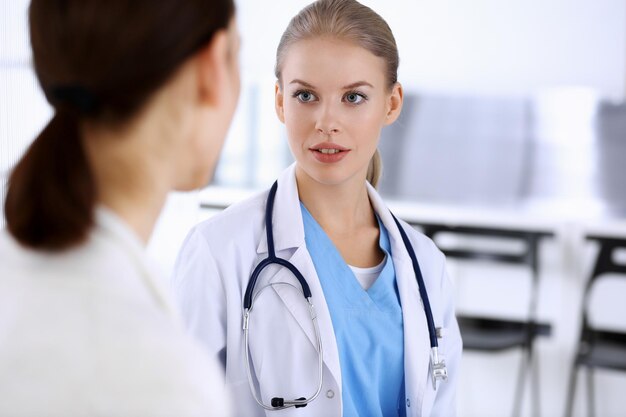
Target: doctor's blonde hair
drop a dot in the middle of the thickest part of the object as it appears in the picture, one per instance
(347, 20)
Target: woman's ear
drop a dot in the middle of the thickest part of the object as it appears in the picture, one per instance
(394, 104)
(215, 70)
(279, 102)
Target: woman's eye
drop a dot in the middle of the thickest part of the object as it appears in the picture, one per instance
(305, 96)
(354, 98)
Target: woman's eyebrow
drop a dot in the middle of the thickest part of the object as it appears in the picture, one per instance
(358, 84)
(347, 87)
(303, 83)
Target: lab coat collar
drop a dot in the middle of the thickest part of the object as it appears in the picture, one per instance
(416, 341)
(385, 217)
(107, 221)
(398, 250)
(110, 226)
(287, 217)
(288, 234)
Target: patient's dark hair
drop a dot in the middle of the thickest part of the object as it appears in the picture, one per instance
(95, 60)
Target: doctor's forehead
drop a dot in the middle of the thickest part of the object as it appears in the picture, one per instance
(331, 63)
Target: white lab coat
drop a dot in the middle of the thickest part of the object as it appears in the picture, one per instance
(210, 280)
(91, 332)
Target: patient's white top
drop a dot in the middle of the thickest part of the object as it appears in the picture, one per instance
(91, 332)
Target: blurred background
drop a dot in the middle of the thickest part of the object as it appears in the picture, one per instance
(510, 152)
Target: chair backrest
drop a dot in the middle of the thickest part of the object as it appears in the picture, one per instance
(605, 264)
(528, 256)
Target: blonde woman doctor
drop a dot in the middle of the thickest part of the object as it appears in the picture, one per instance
(312, 296)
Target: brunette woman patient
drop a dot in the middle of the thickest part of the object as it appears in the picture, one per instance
(336, 88)
(143, 93)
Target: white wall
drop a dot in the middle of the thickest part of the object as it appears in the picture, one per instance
(474, 47)
(478, 46)
(23, 111)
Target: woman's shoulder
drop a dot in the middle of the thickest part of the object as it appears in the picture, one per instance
(9, 249)
(22, 265)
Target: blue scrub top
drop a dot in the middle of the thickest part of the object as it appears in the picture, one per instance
(367, 324)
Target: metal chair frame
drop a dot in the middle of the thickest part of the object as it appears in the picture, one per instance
(590, 336)
(531, 328)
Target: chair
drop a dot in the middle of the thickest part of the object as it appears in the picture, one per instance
(490, 334)
(597, 348)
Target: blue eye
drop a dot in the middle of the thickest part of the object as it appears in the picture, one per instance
(355, 98)
(305, 96)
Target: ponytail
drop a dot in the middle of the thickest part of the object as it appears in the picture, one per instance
(375, 169)
(51, 195)
(89, 79)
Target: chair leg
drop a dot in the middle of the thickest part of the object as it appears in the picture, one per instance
(590, 393)
(571, 391)
(521, 382)
(535, 369)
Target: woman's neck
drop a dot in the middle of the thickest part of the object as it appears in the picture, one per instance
(138, 204)
(346, 215)
(340, 209)
(131, 177)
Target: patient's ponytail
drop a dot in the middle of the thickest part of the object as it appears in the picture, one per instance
(98, 62)
(49, 203)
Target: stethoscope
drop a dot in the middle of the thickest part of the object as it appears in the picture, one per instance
(438, 366)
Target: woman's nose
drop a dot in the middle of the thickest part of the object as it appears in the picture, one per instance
(327, 122)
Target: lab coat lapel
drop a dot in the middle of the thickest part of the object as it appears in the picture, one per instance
(289, 234)
(286, 218)
(416, 337)
(302, 260)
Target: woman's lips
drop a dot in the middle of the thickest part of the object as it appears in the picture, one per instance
(329, 155)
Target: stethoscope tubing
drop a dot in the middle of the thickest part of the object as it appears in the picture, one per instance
(432, 330)
(439, 370)
(301, 402)
(272, 258)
